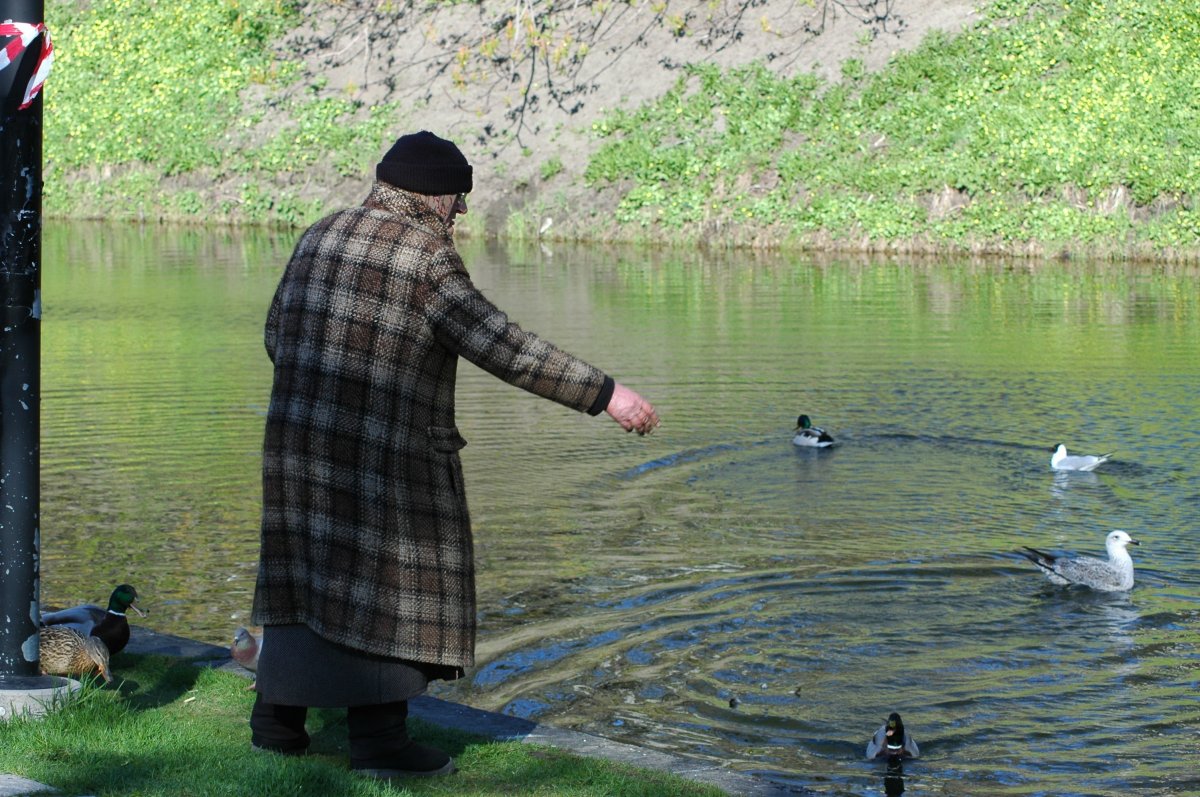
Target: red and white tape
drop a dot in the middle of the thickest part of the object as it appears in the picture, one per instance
(21, 35)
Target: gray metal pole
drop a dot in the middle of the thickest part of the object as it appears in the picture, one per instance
(20, 353)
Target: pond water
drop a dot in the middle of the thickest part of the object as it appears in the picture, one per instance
(712, 590)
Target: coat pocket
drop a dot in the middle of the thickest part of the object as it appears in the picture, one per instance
(445, 439)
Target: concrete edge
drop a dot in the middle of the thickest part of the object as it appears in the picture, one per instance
(502, 727)
(457, 716)
(14, 785)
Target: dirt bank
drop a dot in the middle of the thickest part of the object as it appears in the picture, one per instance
(520, 86)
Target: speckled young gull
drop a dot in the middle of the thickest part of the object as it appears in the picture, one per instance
(1113, 575)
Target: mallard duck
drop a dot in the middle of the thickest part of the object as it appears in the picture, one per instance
(809, 435)
(245, 648)
(1113, 575)
(892, 741)
(109, 625)
(1060, 460)
(64, 651)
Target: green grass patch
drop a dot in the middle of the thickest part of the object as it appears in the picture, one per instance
(1069, 123)
(322, 129)
(148, 82)
(1048, 120)
(171, 728)
(144, 90)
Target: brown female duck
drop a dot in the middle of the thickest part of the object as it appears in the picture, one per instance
(64, 651)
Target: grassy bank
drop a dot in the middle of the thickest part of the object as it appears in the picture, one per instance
(1051, 127)
(148, 111)
(1068, 126)
(170, 728)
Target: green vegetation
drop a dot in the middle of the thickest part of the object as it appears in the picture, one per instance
(141, 82)
(1059, 122)
(552, 167)
(142, 91)
(172, 728)
(1050, 126)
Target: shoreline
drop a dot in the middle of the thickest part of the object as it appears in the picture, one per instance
(500, 727)
(755, 242)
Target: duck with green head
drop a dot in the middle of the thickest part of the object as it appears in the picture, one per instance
(110, 625)
(892, 740)
(811, 436)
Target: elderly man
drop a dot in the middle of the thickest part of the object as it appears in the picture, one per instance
(366, 582)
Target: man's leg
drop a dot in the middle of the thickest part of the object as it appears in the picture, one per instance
(279, 729)
(380, 745)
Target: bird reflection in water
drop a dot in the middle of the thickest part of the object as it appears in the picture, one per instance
(893, 778)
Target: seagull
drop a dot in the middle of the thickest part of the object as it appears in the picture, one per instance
(1061, 461)
(1114, 575)
(809, 435)
(892, 741)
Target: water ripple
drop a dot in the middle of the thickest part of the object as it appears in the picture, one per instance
(712, 589)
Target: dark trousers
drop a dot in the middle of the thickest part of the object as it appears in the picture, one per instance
(376, 732)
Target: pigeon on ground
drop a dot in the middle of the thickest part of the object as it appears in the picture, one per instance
(245, 648)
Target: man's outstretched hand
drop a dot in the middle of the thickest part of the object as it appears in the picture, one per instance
(633, 412)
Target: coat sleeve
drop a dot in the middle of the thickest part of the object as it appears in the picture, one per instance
(466, 323)
(271, 332)
(274, 315)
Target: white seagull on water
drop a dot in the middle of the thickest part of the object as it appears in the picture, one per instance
(1113, 575)
(1063, 461)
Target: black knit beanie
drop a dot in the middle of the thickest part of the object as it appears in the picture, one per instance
(425, 164)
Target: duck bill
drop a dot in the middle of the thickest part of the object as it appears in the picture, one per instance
(140, 613)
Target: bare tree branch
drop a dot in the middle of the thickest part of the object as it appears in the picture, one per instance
(543, 48)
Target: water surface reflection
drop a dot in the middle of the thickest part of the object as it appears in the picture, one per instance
(713, 589)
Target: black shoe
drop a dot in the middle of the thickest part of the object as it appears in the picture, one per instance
(411, 761)
(278, 729)
(288, 751)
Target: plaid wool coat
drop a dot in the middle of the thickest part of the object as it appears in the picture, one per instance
(365, 532)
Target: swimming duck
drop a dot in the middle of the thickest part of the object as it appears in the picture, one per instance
(1063, 461)
(892, 740)
(809, 435)
(1112, 575)
(64, 651)
(110, 625)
